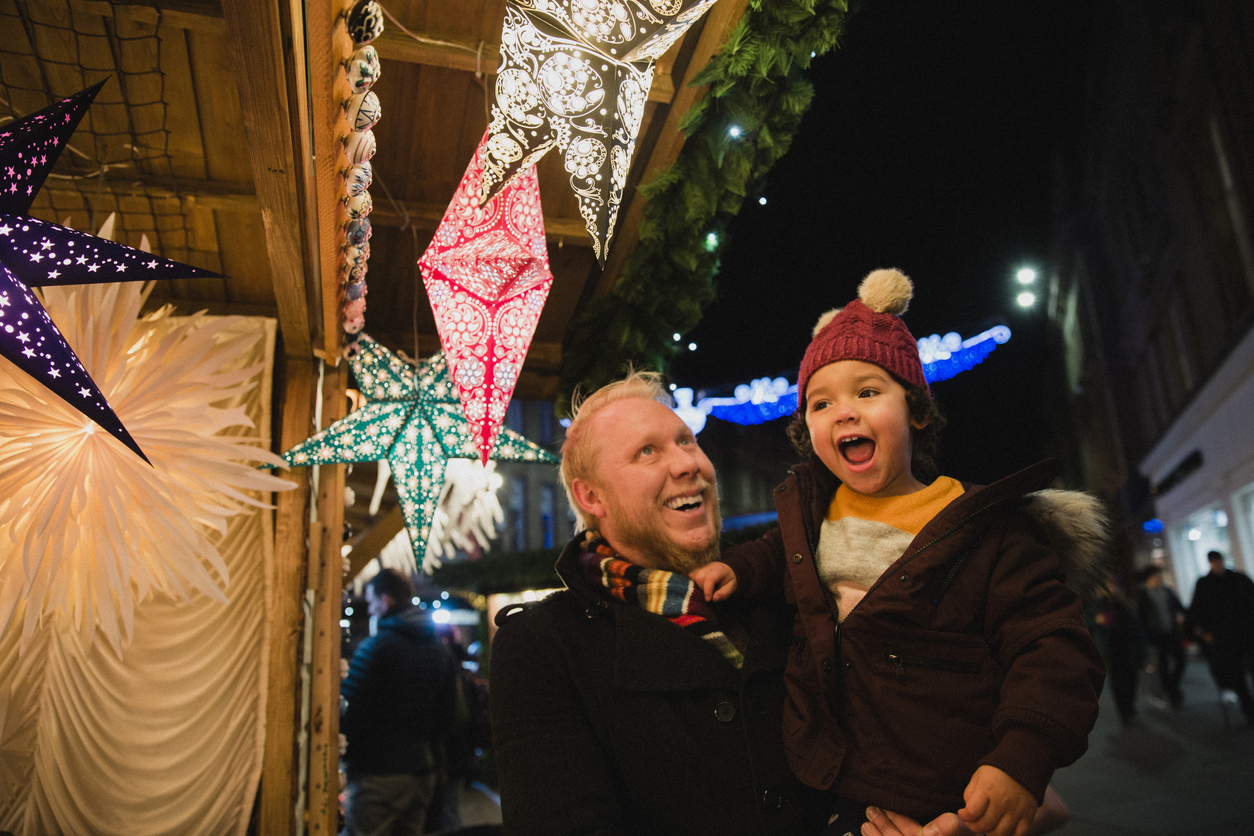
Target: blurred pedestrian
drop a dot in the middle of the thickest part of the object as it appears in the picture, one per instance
(1162, 614)
(1221, 617)
(1118, 633)
(401, 699)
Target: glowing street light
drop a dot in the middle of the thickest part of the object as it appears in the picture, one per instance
(1026, 275)
(1026, 299)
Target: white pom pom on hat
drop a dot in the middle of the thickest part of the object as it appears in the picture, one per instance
(886, 291)
(870, 329)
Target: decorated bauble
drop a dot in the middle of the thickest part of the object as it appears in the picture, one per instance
(354, 309)
(358, 178)
(356, 256)
(357, 272)
(363, 69)
(354, 325)
(365, 21)
(358, 206)
(363, 110)
(358, 232)
(360, 146)
(355, 291)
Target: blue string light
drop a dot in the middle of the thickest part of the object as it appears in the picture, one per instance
(765, 399)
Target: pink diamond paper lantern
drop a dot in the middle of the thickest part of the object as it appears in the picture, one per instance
(487, 276)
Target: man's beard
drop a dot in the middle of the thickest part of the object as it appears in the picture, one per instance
(655, 541)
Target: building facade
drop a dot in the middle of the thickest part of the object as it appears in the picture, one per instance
(1153, 280)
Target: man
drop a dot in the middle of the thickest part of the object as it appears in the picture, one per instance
(1221, 617)
(401, 698)
(625, 704)
(1162, 614)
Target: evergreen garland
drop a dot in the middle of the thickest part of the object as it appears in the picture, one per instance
(756, 85)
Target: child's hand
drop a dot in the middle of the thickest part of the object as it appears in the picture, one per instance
(716, 579)
(997, 804)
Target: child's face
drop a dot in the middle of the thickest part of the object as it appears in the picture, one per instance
(860, 427)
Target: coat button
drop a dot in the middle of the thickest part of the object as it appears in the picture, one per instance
(725, 712)
(827, 779)
(904, 577)
(772, 800)
(796, 558)
(827, 665)
(848, 664)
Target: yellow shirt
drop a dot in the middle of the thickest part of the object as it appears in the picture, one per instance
(863, 535)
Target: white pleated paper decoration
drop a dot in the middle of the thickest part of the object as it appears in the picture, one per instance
(94, 530)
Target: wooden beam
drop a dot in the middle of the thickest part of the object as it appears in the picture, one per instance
(285, 584)
(206, 194)
(376, 538)
(720, 22)
(323, 124)
(202, 17)
(256, 40)
(427, 216)
(482, 56)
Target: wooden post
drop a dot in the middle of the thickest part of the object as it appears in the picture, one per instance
(255, 37)
(285, 584)
(324, 723)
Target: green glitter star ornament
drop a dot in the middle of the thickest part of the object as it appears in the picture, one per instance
(412, 418)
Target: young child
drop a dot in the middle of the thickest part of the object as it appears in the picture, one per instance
(939, 663)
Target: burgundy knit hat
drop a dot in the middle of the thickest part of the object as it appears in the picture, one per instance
(870, 329)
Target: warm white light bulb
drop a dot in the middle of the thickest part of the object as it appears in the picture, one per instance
(1027, 300)
(1026, 275)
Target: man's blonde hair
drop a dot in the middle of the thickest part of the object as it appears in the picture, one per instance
(579, 448)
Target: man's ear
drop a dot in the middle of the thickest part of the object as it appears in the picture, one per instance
(588, 497)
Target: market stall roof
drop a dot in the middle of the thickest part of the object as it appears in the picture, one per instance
(214, 140)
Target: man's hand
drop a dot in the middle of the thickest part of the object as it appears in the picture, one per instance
(997, 804)
(716, 579)
(1052, 815)
(884, 823)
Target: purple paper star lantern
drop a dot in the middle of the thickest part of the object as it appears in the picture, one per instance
(35, 253)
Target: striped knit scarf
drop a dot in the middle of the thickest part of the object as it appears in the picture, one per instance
(657, 591)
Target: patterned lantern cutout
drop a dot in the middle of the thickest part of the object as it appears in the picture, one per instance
(575, 75)
(487, 276)
(38, 253)
(413, 420)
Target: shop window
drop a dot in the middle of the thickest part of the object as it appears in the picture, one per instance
(517, 519)
(1243, 507)
(547, 523)
(1202, 531)
(514, 416)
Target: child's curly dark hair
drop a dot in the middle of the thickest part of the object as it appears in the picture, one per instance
(924, 442)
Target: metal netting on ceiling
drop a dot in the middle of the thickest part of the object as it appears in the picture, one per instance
(50, 49)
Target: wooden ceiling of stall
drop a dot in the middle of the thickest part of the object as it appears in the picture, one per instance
(172, 156)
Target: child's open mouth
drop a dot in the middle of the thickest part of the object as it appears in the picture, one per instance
(856, 449)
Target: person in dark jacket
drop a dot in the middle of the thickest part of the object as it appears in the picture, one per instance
(940, 663)
(400, 698)
(1221, 618)
(1162, 615)
(624, 704)
(1121, 638)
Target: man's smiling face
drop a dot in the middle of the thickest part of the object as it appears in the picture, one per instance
(653, 491)
(860, 427)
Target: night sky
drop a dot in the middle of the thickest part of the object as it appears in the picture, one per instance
(929, 147)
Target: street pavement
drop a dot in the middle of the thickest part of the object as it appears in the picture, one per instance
(1169, 773)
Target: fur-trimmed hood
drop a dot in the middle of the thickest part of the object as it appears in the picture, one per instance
(1076, 526)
